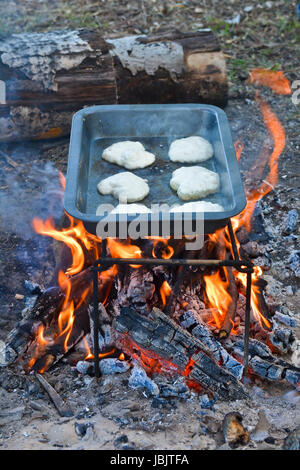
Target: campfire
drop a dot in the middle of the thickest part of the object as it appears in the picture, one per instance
(202, 315)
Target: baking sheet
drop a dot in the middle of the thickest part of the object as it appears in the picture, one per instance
(156, 127)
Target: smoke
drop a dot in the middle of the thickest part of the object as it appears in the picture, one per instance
(29, 192)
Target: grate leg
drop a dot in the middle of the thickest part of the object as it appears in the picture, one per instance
(247, 324)
(96, 322)
(96, 307)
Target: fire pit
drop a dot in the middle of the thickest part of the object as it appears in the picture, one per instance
(171, 332)
(193, 314)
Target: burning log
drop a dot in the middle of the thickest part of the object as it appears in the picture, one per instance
(46, 77)
(193, 322)
(46, 311)
(258, 302)
(259, 285)
(159, 337)
(263, 364)
(136, 288)
(228, 321)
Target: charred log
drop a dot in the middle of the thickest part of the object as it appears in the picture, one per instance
(159, 334)
(228, 321)
(45, 312)
(194, 323)
(264, 364)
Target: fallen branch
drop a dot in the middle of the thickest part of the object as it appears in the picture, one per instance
(62, 407)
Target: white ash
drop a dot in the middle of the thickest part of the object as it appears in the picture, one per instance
(85, 367)
(296, 354)
(291, 222)
(283, 339)
(285, 319)
(113, 366)
(294, 262)
(139, 379)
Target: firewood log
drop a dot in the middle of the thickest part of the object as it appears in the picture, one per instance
(160, 335)
(46, 77)
(46, 310)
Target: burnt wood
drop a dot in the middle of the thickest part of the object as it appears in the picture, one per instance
(176, 68)
(228, 321)
(62, 407)
(159, 334)
(45, 312)
(46, 77)
(264, 364)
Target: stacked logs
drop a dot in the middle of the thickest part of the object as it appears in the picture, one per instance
(46, 77)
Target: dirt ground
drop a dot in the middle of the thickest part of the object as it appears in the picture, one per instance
(266, 36)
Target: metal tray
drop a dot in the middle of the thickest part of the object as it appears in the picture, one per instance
(155, 126)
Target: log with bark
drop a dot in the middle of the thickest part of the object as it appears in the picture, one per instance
(46, 77)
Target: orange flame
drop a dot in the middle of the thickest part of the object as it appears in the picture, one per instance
(278, 135)
(271, 78)
(167, 251)
(123, 250)
(69, 236)
(62, 179)
(238, 147)
(42, 341)
(254, 295)
(216, 290)
(165, 291)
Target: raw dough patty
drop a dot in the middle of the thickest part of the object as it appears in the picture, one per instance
(130, 155)
(126, 187)
(198, 206)
(190, 150)
(194, 182)
(130, 209)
